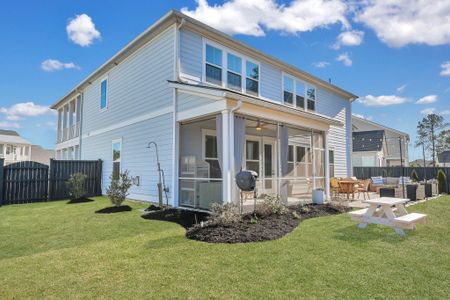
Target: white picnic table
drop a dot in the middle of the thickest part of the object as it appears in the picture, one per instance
(381, 211)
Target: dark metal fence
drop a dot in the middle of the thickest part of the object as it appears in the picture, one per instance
(422, 173)
(29, 181)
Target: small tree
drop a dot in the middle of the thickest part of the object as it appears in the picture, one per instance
(442, 182)
(76, 185)
(118, 189)
(414, 176)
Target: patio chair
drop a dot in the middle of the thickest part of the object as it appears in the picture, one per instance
(363, 187)
(334, 187)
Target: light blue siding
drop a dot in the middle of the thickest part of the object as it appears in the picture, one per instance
(270, 83)
(339, 138)
(135, 156)
(137, 87)
(191, 47)
(187, 101)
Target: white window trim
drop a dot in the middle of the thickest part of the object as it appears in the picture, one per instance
(305, 96)
(224, 67)
(118, 140)
(107, 93)
(206, 132)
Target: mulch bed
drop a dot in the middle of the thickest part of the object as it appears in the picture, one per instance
(113, 209)
(266, 228)
(80, 200)
(183, 217)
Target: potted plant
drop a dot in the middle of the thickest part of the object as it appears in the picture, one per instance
(318, 196)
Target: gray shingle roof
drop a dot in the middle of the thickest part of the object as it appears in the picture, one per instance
(368, 140)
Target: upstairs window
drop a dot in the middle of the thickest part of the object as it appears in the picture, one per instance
(300, 94)
(252, 78)
(234, 74)
(288, 90)
(103, 92)
(311, 96)
(213, 65)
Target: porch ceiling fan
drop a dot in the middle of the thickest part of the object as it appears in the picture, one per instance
(259, 125)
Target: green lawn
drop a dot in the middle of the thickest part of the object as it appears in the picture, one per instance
(56, 250)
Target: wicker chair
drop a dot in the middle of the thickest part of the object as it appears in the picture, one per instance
(363, 187)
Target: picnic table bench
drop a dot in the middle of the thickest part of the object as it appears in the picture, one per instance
(381, 211)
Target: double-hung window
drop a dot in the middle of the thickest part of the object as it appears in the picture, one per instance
(213, 71)
(288, 91)
(300, 94)
(311, 97)
(290, 160)
(212, 156)
(331, 162)
(252, 156)
(234, 74)
(103, 94)
(252, 78)
(116, 158)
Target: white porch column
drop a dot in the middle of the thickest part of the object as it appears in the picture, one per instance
(227, 155)
(327, 166)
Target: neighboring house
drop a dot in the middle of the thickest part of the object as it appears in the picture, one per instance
(376, 145)
(41, 155)
(443, 159)
(14, 148)
(213, 105)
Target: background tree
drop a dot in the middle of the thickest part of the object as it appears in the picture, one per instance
(422, 141)
(428, 130)
(443, 141)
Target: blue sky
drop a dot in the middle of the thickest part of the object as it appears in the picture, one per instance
(389, 69)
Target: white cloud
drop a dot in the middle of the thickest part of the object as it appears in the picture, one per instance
(26, 109)
(253, 17)
(445, 68)
(50, 65)
(427, 99)
(401, 89)
(383, 100)
(445, 112)
(428, 111)
(363, 116)
(6, 124)
(349, 38)
(345, 59)
(321, 64)
(402, 22)
(82, 31)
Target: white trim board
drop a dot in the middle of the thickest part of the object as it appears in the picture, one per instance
(132, 121)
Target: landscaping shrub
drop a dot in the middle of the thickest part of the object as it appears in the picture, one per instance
(224, 214)
(271, 205)
(442, 182)
(414, 176)
(118, 189)
(76, 186)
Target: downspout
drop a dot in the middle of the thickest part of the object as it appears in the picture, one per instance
(177, 61)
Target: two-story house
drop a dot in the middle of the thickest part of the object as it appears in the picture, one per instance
(376, 145)
(214, 106)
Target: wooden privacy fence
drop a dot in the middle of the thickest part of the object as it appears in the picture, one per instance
(28, 181)
(422, 173)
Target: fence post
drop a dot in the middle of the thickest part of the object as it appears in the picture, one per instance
(99, 177)
(1, 181)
